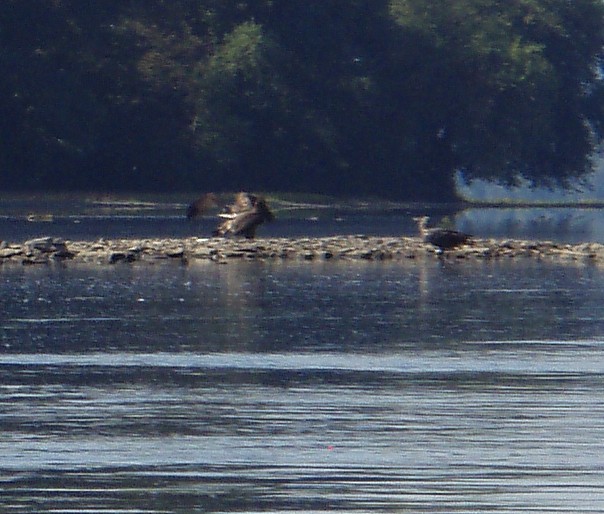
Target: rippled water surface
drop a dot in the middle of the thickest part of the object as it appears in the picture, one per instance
(364, 387)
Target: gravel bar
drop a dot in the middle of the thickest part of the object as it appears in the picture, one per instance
(48, 250)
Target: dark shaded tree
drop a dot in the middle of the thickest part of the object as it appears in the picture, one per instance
(357, 97)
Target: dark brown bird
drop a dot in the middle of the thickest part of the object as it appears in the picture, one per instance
(442, 238)
(243, 202)
(243, 217)
(203, 204)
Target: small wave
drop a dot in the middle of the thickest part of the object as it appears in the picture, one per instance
(565, 361)
(63, 320)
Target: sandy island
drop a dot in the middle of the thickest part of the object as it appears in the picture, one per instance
(47, 250)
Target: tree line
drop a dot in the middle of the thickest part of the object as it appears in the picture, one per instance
(345, 97)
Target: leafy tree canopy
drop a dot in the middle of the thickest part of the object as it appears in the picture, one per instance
(384, 97)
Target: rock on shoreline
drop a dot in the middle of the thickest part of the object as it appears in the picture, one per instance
(47, 250)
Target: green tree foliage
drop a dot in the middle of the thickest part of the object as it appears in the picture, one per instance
(385, 97)
(521, 84)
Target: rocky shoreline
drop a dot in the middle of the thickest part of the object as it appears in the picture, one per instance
(48, 250)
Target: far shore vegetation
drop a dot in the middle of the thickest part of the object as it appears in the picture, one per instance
(385, 99)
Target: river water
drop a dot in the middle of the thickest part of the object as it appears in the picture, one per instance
(82, 218)
(422, 386)
(308, 387)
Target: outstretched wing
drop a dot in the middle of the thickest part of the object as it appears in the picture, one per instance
(201, 205)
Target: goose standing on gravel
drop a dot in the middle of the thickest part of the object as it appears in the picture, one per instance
(442, 238)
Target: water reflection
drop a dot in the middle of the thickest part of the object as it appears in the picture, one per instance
(569, 225)
(270, 306)
(385, 387)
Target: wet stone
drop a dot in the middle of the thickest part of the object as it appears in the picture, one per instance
(7, 253)
(175, 252)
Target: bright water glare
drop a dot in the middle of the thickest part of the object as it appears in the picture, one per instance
(283, 387)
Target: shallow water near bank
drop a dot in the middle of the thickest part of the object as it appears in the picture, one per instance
(90, 217)
(265, 386)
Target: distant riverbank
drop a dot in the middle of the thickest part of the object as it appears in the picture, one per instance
(48, 250)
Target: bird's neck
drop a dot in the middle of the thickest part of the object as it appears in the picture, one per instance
(421, 225)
